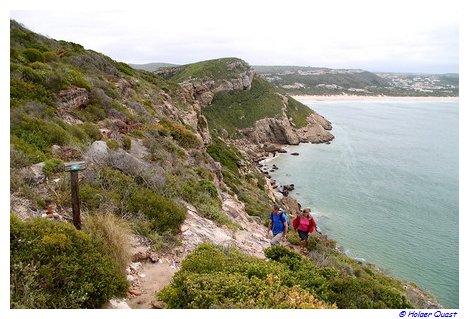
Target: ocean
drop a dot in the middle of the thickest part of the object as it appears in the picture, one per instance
(387, 188)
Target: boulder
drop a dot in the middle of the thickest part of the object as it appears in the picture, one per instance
(34, 174)
(98, 152)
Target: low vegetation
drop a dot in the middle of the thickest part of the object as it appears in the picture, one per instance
(216, 277)
(212, 277)
(53, 265)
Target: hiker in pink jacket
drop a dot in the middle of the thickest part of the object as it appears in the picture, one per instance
(305, 225)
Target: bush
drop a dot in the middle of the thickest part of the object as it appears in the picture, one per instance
(212, 277)
(353, 293)
(298, 112)
(208, 187)
(164, 213)
(91, 130)
(186, 138)
(224, 154)
(114, 233)
(60, 267)
(32, 153)
(33, 55)
(21, 90)
(40, 133)
(52, 166)
(112, 144)
(127, 143)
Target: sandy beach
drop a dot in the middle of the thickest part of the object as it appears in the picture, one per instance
(346, 97)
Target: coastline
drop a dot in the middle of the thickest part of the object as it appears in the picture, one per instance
(346, 97)
(425, 298)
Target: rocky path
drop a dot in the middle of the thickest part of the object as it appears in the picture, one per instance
(155, 277)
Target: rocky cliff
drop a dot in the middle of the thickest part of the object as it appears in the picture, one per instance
(266, 129)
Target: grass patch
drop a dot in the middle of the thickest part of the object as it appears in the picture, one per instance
(114, 233)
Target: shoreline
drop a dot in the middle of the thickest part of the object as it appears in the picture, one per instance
(346, 97)
(424, 294)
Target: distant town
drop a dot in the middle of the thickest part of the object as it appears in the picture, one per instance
(324, 81)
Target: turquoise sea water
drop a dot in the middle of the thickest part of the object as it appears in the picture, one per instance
(387, 187)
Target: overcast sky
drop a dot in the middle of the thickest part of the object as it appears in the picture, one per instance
(396, 36)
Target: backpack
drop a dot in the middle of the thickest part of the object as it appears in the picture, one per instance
(283, 214)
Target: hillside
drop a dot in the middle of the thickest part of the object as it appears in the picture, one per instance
(297, 80)
(170, 180)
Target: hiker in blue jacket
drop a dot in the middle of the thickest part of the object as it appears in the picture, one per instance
(278, 224)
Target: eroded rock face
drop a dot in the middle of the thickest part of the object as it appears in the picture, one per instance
(196, 230)
(321, 121)
(72, 98)
(314, 133)
(203, 90)
(291, 205)
(276, 131)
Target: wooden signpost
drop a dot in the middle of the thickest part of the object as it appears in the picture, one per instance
(74, 168)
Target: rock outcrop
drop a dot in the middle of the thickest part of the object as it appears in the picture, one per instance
(276, 131)
(72, 98)
(197, 229)
(203, 90)
(316, 131)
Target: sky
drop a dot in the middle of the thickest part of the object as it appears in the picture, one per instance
(388, 36)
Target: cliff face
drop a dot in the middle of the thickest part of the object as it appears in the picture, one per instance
(249, 114)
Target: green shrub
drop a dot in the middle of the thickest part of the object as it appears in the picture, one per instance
(293, 237)
(91, 113)
(60, 267)
(239, 109)
(21, 90)
(112, 144)
(287, 273)
(33, 55)
(224, 154)
(52, 166)
(358, 293)
(32, 75)
(32, 152)
(186, 138)
(127, 143)
(50, 56)
(40, 133)
(91, 130)
(298, 112)
(207, 186)
(164, 213)
(212, 277)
